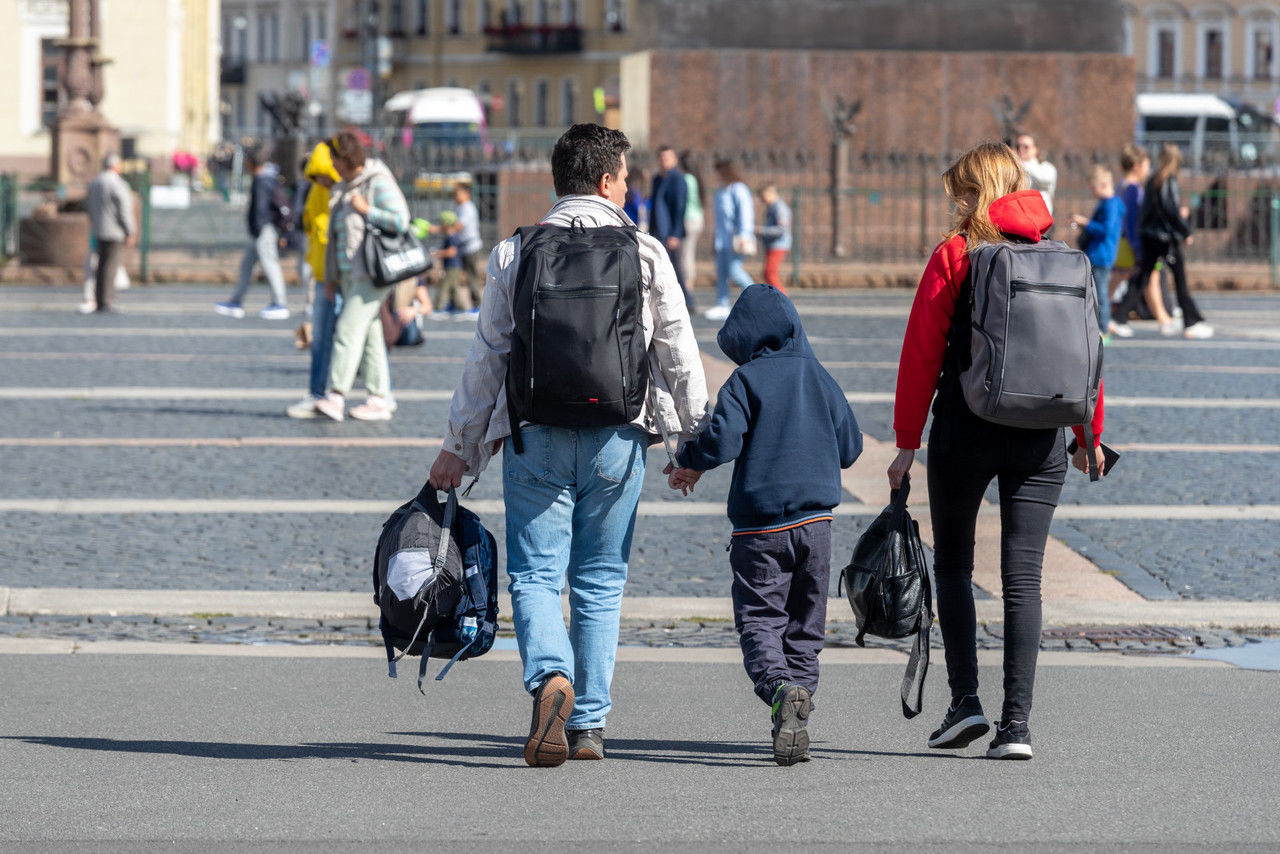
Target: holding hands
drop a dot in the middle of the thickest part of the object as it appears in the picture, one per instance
(681, 478)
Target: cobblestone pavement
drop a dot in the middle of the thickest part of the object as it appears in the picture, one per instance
(645, 633)
(169, 337)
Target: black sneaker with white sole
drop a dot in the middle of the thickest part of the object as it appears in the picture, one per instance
(963, 723)
(1012, 741)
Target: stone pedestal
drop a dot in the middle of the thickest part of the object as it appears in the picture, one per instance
(79, 144)
(53, 238)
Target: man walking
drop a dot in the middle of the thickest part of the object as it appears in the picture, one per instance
(669, 197)
(571, 492)
(264, 248)
(111, 220)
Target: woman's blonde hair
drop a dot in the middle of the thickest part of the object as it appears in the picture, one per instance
(981, 175)
(1168, 165)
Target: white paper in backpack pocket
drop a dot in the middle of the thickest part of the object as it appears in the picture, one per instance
(408, 571)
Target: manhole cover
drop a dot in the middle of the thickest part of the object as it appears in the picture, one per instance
(1103, 634)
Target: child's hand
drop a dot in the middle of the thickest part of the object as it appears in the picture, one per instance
(683, 479)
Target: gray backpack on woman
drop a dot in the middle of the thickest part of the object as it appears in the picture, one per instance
(1034, 358)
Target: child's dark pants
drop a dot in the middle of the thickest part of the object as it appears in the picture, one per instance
(780, 585)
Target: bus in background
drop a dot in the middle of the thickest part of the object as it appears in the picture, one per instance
(1213, 131)
(431, 119)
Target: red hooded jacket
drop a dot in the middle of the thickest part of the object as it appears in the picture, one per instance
(1021, 214)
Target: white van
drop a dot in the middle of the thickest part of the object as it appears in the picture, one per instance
(443, 116)
(1210, 129)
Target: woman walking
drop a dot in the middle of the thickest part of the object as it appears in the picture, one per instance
(368, 195)
(735, 235)
(695, 198)
(989, 189)
(1163, 229)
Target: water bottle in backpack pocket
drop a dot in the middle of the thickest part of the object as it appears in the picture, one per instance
(435, 582)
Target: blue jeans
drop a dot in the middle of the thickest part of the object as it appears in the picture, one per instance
(1101, 283)
(324, 315)
(571, 502)
(729, 267)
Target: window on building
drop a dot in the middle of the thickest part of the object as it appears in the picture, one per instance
(1214, 60)
(541, 103)
(513, 14)
(513, 103)
(482, 16)
(395, 17)
(261, 33)
(569, 13)
(541, 14)
(1166, 53)
(422, 17)
(1262, 44)
(615, 15)
(240, 39)
(322, 24)
(305, 27)
(453, 17)
(568, 97)
(50, 62)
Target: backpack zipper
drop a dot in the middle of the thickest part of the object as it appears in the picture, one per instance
(1017, 285)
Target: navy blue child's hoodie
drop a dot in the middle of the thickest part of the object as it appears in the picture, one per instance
(780, 417)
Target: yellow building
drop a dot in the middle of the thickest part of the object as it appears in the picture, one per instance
(161, 84)
(538, 62)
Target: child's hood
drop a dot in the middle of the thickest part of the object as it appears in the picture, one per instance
(762, 321)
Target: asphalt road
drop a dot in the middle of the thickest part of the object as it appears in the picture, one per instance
(109, 752)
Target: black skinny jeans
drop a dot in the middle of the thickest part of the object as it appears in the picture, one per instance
(1153, 251)
(965, 453)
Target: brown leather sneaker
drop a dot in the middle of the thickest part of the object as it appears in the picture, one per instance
(552, 705)
(586, 744)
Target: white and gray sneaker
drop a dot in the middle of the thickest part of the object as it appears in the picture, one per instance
(332, 405)
(305, 408)
(963, 723)
(87, 307)
(374, 408)
(1198, 331)
(1012, 741)
(274, 312)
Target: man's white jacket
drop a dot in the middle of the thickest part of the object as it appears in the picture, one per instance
(478, 415)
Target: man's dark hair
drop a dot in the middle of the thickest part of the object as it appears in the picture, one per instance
(584, 155)
(662, 148)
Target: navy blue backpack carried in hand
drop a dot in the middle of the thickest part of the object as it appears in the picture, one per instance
(435, 580)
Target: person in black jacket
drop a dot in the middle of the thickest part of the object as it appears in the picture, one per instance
(262, 218)
(668, 200)
(785, 423)
(1163, 229)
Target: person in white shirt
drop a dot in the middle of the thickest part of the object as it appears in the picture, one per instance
(1043, 174)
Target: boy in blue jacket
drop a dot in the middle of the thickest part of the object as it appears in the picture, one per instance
(1101, 241)
(785, 423)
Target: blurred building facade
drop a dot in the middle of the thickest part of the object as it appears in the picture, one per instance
(1225, 47)
(537, 63)
(161, 82)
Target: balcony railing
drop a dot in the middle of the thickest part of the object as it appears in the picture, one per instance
(232, 72)
(520, 38)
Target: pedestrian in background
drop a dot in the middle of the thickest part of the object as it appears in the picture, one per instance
(987, 186)
(667, 203)
(1100, 238)
(1042, 174)
(402, 313)
(470, 244)
(636, 205)
(735, 235)
(775, 234)
(368, 194)
(1164, 230)
(694, 220)
(324, 309)
(1137, 170)
(263, 218)
(452, 297)
(111, 227)
(778, 414)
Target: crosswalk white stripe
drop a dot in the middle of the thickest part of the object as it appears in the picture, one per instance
(118, 506)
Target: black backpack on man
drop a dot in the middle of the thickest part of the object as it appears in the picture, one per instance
(578, 354)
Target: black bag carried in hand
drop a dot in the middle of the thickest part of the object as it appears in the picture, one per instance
(578, 355)
(887, 582)
(391, 258)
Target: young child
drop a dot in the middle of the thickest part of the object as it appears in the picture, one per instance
(786, 425)
(775, 234)
(453, 298)
(1102, 240)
